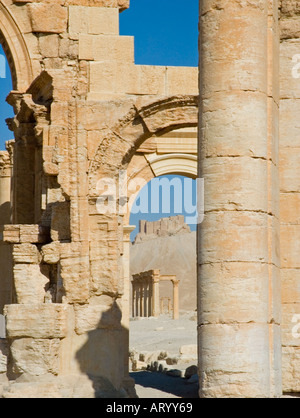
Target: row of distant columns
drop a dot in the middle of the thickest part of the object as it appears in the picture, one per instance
(239, 301)
(146, 295)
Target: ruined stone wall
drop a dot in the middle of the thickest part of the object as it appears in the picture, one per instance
(164, 227)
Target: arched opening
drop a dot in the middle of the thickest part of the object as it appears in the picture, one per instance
(15, 74)
(6, 136)
(156, 138)
(14, 45)
(165, 216)
(162, 259)
(6, 110)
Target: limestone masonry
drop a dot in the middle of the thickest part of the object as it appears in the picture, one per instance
(85, 112)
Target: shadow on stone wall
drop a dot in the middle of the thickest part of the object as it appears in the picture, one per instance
(5, 213)
(101, 358)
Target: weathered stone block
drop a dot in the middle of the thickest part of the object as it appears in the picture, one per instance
(290, 246)
(289, 128)
(235, 183)
(246, 357)
(48, 18)
(41, 321)
(48, 45)
(222, 308)
(106, 48)
(290, 369)
(60, 222)
(182, 80)
(30, 283)
(51, 253)
(290, 28)
(290, 7)
(29, 233)
(143, 79)
(93, 20)
(240, 135)
(103, 313)
(290, 208)
(32, 390)
(290, 287)
(245, 240)
(26, 254)
(35, 357)
(3, 355)
(289, 169)
(113, 77)
(76, 277)
(11, 234)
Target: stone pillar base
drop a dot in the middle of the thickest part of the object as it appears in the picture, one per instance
(72, 386)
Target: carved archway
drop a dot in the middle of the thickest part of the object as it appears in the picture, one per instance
(16, 50)
(119, 144)
(116, 149)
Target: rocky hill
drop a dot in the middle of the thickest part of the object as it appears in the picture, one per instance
(172, 249)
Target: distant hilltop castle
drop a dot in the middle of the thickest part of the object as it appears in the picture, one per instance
(173, 225)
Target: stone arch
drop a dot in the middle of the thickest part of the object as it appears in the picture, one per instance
(117, 147)
(119, 144)
(16, 50)
(181, 164)
(177, 164)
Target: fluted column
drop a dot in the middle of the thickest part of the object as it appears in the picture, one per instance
(239, 312)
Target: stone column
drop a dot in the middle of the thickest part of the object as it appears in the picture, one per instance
(150, 298)
(126, 269)
(145, 313)
(141, 286)
(239, 331)
(126, 296)
(175, 299)
(133, 300)
(155, 293)
(5, 249)
(290, 193)
(137, 296)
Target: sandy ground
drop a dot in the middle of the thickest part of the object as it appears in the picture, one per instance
(165, 334)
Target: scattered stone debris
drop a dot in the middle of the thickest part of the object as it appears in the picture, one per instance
(159, 361)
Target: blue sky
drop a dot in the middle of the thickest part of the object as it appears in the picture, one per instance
(5, 110)
(166, 31)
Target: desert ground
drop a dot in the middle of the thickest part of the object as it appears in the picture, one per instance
(177, 341)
